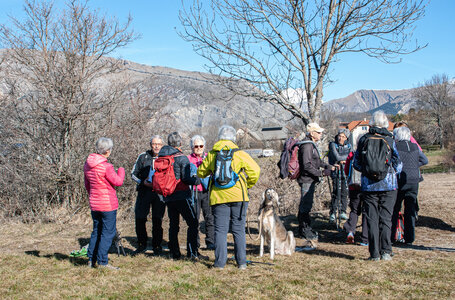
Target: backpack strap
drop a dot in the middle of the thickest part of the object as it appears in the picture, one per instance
(309, 142)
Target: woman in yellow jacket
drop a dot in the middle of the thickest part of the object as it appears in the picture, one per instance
(229, 205)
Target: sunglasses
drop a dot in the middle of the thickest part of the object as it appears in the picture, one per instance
(198, 146)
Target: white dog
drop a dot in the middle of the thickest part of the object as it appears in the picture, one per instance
(272, 229)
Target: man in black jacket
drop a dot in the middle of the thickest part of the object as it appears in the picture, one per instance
(180, 201)
(146, 198)
(310, 170)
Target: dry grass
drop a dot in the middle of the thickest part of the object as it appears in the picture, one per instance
(35, 263)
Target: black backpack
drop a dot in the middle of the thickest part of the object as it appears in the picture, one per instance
(375, 157)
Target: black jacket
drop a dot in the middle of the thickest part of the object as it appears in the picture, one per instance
(141, 169)
(412, 159)
(310, 163)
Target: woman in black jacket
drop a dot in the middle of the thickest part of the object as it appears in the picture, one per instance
(408, 182)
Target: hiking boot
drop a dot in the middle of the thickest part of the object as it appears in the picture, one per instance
(350, 238)
(140, 249)
(198, 257)
(176, 256)
(344, 216)
(242, 267)
(108, 266)
(332, 219)
(386, 256)
(157, 250)
(373, 258)
(310, 234)
(210, 247)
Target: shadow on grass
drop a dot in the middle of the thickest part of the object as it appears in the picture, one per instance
(434, 223)
(320, 252)
(423, 248)
(77, 261)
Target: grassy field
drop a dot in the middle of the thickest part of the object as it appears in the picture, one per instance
(35, 263)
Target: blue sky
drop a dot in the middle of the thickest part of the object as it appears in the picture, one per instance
(157, 21)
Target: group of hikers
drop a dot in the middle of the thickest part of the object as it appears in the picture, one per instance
(217, 182)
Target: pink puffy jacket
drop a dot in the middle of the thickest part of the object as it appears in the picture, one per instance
(100, 179)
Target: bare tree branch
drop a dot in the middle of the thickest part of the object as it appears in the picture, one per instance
(278, 45)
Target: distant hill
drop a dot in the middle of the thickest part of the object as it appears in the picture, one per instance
(390, 101)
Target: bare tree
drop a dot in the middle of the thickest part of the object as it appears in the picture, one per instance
(285, 48)
(59, 94)
(436, 98)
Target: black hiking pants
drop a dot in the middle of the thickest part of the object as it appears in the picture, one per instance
(378, 210)
(407, 194)
(343, 202)
(145, 200)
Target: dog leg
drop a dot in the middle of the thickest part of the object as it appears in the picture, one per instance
(261, 248)
(272, 241)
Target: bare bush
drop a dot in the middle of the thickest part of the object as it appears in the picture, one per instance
(58, 97)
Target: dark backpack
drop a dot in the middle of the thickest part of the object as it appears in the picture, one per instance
(164, 181)
(224, 177)
(289, 159)
(375, 157)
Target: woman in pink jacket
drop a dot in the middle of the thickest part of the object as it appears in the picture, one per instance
(100, 179)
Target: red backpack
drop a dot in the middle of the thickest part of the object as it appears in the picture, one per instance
(164, 181)
(289, 160)
(399, 234)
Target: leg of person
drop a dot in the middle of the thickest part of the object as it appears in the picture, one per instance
(222, 215)
(109, 220)
(188, 213)
(306, 203)
(333, 201)
(344, 199)
(95, 237)
(174, 228)
(238, 218)
(396, 211)
(158, 209)
(355, 206)
(372, 216)
(197, 208)
(208, 217)
(386, 204)
(141, 211)
(364, 236)
(410, 199)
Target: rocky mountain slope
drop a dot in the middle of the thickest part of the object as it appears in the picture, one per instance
(391, 102)
(192, 100)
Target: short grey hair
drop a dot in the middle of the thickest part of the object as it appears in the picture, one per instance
(196, 138)
(402, 134)
(156, 136)
(344, 131)
(227, 132)
(103, 145)
(174, 139)
(379, 119)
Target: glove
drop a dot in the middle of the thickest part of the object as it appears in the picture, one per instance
(326, 172)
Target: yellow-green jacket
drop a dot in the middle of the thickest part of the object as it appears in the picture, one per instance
(242, 164)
